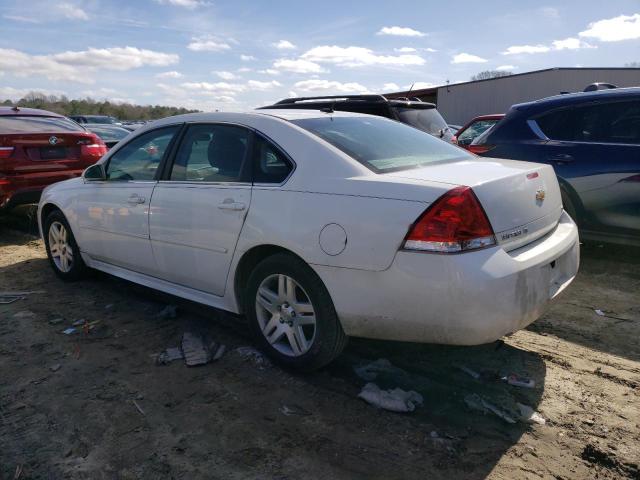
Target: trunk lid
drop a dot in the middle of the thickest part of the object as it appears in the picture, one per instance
(521, 199)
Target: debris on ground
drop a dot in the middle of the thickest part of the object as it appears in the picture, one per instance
(370, 371)
(396, 400)
(518, 381)
(193, 350)
(529, 415)
(599, 312)
(468, 371)
(254, 355)
(55, 367)
(56, 321)
(7, 299)
(169, 355)
(170, 311)
(290, 410)
(70, 330)
(476, 402)
(138, 407)
(24, 314)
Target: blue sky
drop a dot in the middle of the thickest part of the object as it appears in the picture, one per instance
(234, 55)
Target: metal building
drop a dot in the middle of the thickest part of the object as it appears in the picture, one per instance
(460, 102)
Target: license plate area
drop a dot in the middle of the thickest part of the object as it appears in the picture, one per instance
(53, 153)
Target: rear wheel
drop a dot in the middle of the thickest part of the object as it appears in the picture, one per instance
(291, 314)
(62, 249)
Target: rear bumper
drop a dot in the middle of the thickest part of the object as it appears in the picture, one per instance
(25, 189)
(465, 299)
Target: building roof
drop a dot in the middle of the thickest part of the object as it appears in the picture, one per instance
(434, 89)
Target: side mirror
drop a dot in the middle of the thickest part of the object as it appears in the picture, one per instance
(94, 173)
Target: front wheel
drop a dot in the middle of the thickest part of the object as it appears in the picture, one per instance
(291, 314)
(62, 249)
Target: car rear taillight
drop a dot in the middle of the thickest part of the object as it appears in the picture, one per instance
(480, 149)
(93, 147)
(6, 152)
(456, 222)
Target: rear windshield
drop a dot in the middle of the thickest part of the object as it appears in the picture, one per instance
(33, 124)
(110, 134)
(426, 119)
(382, 145)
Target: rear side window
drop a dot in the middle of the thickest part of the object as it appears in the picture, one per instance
(270, 165)
(474, 130)
(382, 145)
(610, 122)
(34, 124)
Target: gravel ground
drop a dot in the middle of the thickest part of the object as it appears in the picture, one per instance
(95, 405)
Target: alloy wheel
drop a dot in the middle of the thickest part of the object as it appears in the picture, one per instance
(286, 315)
(60, 248)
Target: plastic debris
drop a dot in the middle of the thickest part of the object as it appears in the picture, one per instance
(290, 410)
(169, 355)
(70, 331)
(468, 371)
(55, 367)
(138, 407)
(517, 381)
(77, 323)
(170, 311)
(370, 371)
(254, 355)
(7, 299)
(194, 350)
(219, 353)
(24, 314)
(396, 400)
(476, 402)
(529, 415)
(599, 312)
(56, 321)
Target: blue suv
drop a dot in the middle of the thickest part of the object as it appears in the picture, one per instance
(592, 140)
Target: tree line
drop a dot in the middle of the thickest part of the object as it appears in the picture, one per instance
(89, 106)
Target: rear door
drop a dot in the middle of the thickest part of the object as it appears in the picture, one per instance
(199, 208)
(596, 148)
(113, 215)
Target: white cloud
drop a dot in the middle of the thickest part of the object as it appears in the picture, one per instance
(226, 75)
(189, 4)
(430, 50)
(269, 71)
(247, 58)
(19, 18)
(243, 69)
(117, 58)
(217, 88)
(258, 85)
(77, 66)
(358, 57)
(297, 66)
(284, 45)
(207, 44)
(72, 12)
(400, 31)
(18, 93)
(101, 92)
(519, 49)
(550, 12)
(171, 74)
(506, 68)
(420, 85)
(467, 58)
(390, 87)
(405, 50)
(324, 85)
(623, 27)
(570, 43)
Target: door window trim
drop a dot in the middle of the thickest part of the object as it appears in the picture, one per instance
(247, 167)
(282, 152)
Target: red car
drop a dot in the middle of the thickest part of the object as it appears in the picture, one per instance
(38, 148)
(474, 128)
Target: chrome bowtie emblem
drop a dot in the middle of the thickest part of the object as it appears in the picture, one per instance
(540, 194)
(53, 140)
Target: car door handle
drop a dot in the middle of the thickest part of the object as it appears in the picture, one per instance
(561, 158)
(231, 205)
(135, 199)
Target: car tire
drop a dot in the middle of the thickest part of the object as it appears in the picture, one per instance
(283, 297)
(62, 250)
(568, 206)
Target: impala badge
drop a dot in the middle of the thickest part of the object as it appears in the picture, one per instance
(53, 140)
(540, 194)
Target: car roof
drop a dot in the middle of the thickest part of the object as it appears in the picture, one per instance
(28, 112)
(578, 97)
(300, 113)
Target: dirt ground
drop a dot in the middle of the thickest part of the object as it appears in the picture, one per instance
(96, 406)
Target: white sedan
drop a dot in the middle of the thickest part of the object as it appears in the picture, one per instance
(318, 226)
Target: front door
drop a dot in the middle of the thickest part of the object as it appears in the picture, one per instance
(198, 211)
(113, 215)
